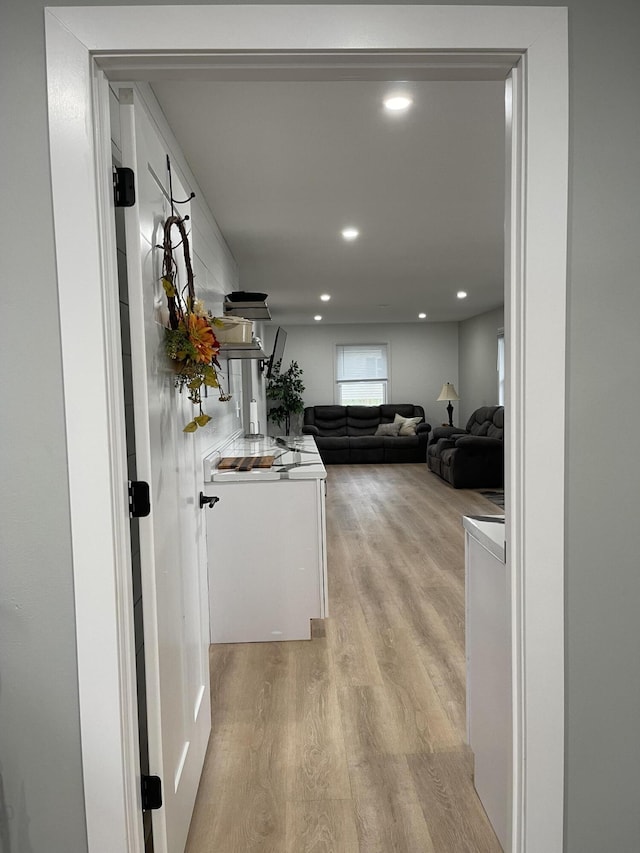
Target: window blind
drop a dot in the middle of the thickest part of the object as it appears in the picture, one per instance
(362, 393)
(358, 362)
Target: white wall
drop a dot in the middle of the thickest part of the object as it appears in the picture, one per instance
(253, 381)
(421, 357)
(215, 269)
(478, 357)
(215, 274)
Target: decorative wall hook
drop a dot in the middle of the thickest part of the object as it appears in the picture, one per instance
(173, 200)
(186, 201)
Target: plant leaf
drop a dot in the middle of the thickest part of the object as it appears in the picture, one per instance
(202, 420)
(168, 287)
(210, 377)
(192, 426)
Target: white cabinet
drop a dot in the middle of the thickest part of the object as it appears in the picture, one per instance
(266, 553)
(488, 644)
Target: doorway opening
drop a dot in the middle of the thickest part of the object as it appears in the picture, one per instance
(536, 249)
(240, 806)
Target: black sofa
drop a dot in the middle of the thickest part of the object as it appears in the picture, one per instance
(346, 434)
(470, 458)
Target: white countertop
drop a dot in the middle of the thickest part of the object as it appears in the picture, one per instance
(488, 530)
(297, 458)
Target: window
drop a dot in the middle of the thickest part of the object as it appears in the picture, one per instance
(361, 374)
(501, 368)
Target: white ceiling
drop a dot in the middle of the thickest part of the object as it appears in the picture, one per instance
(285, 166)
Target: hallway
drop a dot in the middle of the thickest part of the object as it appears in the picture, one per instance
(354, 742)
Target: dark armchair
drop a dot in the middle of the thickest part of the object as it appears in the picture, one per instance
(473, 457)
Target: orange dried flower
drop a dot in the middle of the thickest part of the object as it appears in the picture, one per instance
(202, 337)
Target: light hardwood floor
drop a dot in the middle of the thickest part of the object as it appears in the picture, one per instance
(354, 742)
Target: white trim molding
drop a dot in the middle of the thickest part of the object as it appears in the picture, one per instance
(238, 42)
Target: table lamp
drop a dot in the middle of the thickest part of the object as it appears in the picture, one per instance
(449, 393)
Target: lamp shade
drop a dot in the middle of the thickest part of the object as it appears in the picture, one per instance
(448, 392)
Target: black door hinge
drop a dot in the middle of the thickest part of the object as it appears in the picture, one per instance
(139, 502)
(124, 189)
(151, 793)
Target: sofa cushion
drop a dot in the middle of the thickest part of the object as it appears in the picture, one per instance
(362, 420)
(333, 442)
(331, 420)
(496, 429)
(447, 456)
(406, 448)
(436, 447)
(445, 432)
(366, 448)
(410, 442)
(335, 451)
(388, 411)
(485, 414)
(407, 425)
(388, 429)
(480, 443)
(479, 429)
(365, 442)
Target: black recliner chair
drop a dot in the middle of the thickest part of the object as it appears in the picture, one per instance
(470, 458)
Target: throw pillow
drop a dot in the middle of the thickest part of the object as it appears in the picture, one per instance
(407, 425)
(388, 429)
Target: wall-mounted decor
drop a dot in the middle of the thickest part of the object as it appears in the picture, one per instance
(190, 339)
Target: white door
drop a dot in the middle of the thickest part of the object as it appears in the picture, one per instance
(173, 569)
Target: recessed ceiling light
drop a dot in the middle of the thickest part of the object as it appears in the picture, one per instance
(422, 316)
(350, 233)
(318, 317)
(461, 294)
(325, 297)
(397, 103)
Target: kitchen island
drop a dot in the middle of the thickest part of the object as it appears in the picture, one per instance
(266, 541)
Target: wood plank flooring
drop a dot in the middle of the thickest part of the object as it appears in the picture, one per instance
(353, 742)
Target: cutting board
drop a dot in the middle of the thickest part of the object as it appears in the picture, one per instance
(245, 463)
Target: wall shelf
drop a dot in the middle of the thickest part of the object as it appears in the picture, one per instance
(244, 351)
(249, 310)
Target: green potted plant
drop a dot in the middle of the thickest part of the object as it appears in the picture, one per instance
(285, 390)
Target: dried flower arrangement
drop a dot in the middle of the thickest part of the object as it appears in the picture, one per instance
(190, 339)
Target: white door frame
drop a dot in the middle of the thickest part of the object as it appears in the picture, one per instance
(533, 40)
